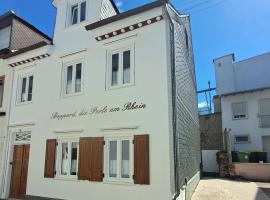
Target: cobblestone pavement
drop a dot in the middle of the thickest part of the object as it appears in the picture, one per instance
(225, 189)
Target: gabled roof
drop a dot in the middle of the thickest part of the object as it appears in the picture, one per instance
(6, 20)
(126, 14)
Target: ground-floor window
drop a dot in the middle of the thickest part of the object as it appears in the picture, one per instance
(67, 157)
(119, 159)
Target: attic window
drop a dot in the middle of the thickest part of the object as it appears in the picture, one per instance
(78, 13)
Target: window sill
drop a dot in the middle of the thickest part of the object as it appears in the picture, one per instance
(237, 119)
(119, 182)
(71, 95)
(75, 26)
(60, 178)
(120, 86)
(24, 103)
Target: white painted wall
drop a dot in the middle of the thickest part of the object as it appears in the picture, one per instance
(245, 126)
(6, 71)
(209, 159)
(151, 88)
(244, 75)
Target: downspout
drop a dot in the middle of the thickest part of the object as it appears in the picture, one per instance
(176, 168)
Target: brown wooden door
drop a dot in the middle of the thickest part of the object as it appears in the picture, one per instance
(19, 171)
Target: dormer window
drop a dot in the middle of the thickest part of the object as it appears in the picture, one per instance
(78, 13)
(5, 37)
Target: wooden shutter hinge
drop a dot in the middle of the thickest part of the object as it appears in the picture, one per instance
(133, 177)
(103, 142)
(103, 175)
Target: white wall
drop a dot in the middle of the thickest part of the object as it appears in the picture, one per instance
(151, 88)
(244, 75)
(209, 160)
(6, 71)
(245, 126)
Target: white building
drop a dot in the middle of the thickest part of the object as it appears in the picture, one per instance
(109, 110)
(15, 34)
(244, 88)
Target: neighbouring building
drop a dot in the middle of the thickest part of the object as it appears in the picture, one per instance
(244, 90)
(109, 110)
(211, 141)
(15, 34)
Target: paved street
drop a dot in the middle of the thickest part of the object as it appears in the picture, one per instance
(224, 189)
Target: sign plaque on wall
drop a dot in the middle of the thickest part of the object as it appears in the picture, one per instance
(130, 106)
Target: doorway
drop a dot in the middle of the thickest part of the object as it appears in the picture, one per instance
(19, 171)
(266, 146)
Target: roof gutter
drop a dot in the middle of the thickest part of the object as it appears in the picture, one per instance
(126, 14)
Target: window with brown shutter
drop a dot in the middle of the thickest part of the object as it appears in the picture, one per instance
(50, 159)
(141, 160)
(91, 159)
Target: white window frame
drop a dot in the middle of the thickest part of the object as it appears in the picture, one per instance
(235, 141)
(58, 158)
(246, 114)
(119, 138)
(261, 115)
(64, 77)
(69, 20)
(120, 50)
(19, 93)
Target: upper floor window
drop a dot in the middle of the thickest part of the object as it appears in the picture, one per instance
(239, 110)
(5, 37)
(264, 112)
(72, 78)
(26, 89)
(2, 79)
(77, 13)
(120, 67)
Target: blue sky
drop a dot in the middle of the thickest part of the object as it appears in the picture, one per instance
(219, 27)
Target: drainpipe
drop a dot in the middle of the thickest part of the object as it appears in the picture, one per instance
(176, 168)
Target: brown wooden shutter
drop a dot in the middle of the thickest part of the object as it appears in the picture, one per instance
(50, 159)
(141, 160)
(84, 159)
(91, 159)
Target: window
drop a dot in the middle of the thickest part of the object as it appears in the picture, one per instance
(239, 110)
(78, 13)
(26, 89)
(67, 158)
(121, 68)
(242, 138)
(119, 159)
(264, 113)
(5, 37)
(2, 80)
(73, 78)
